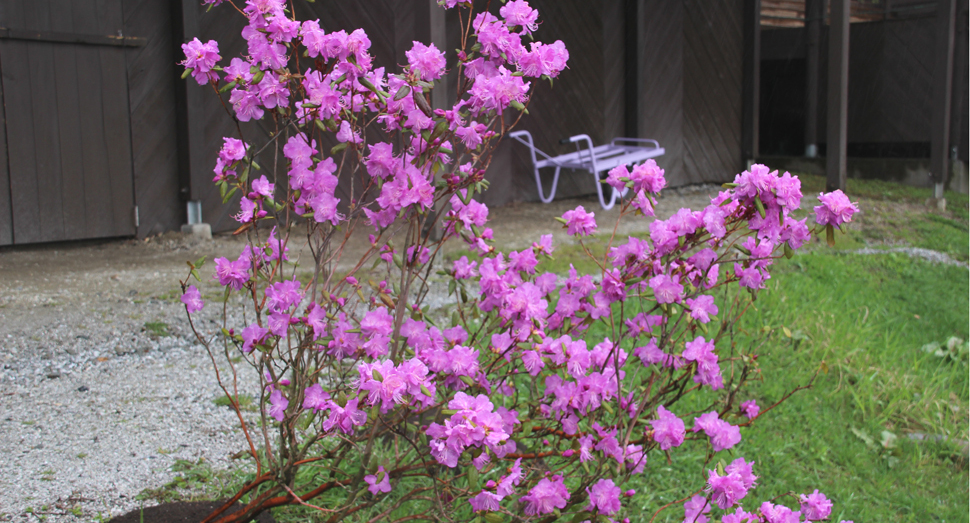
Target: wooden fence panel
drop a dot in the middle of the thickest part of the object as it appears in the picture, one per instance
(6, 215)
(661, 81)
(713, 65)
(67, 123)
(152, 77)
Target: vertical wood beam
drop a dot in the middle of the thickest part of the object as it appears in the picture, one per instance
(189, 104)
(751, 87)
(838, 96)
(942, 92)
(631, 71)
(814, 18)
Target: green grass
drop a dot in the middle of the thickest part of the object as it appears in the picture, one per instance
(867, 318)
(156, 329)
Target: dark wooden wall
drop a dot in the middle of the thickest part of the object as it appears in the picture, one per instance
(66, 121)
(890, 79)
(152, 77)
(690, 80)
(713, 65)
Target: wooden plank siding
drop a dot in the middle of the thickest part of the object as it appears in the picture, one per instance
(661, 81)
(6, 213)
(66, 121)
(152, 77)
(890, 77)
(713, 65)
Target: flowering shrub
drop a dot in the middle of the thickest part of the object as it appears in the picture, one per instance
(518, 405)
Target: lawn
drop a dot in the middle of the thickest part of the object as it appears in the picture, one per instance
(852, 434)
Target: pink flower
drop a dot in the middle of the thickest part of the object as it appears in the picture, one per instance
(835, 210)
(744, 470)
(549, 494)
(201, 58)
(316, 398)
(519, 13)
(235, 274)
(604, 497)
(668, 429)
(192, 300)
(426, 61)
(278, 404)
(702, 308)
(485, 500)
(750, 409)
(666, 289)
(379, 482)
(725, 490)
(815, 506)
(695, 508)
(580, 222)
(253, 335)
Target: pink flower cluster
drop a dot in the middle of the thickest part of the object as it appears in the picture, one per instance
(476, 424)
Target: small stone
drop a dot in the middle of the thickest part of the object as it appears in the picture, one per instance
(71, 350)
(53, 375)
(83, 388)
(121, 350)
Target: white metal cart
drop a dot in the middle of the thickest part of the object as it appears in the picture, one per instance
(594, 160)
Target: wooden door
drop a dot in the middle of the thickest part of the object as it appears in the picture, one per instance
(66, 121)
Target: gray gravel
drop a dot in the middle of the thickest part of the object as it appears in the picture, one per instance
(93, 411)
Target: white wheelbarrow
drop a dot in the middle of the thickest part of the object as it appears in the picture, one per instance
(594, 160)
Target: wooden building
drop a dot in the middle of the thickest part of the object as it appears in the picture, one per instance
(101, 138)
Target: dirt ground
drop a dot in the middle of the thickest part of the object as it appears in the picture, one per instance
(38, 284)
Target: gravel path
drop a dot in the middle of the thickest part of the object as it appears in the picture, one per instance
(95, 407)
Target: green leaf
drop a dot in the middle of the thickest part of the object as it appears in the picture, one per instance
(830, 235)
(402, 92)
(473, 479)
(188, 71)
(337, 148)
(200, 262)
(760, 206)
(468, 381)
(228, 86)
(195, 274)
(789, 252)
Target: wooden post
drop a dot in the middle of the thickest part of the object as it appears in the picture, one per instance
(751, 87)
(838, 96)
(814, 19)
(631, 71)
(942, 90)
(189, 117)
